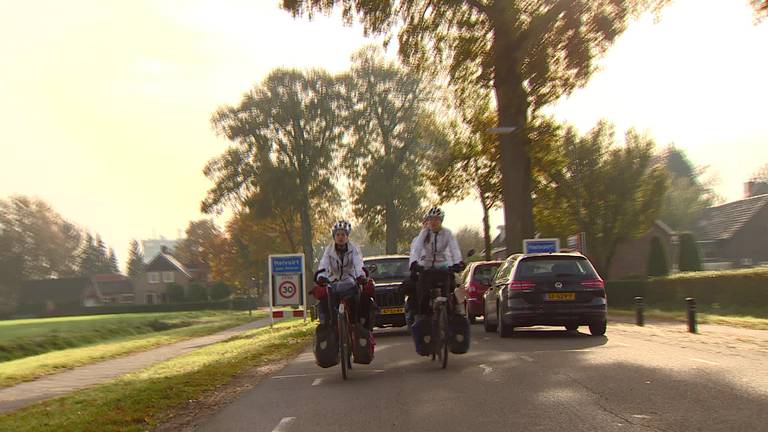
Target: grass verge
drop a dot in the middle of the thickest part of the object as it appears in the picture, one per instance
(140, 401)
(743, 321)
(197, 324)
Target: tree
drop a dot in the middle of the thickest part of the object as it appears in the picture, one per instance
(690, 260)
(196, 293)
(529, 52)
(608, 192)
(88, 257)
(386, 109)
(687, 196)
(284, 130)
(469, 238)
(175, 292)
(135, 265)
(112, 258)
(37, 242)
(471, 162)
(203, 242)
(657, 259)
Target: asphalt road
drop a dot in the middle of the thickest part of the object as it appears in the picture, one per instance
(655, 378)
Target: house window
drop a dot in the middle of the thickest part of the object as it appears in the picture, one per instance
(150, 299)
(168, 277)
(153, 277)
(126, 298)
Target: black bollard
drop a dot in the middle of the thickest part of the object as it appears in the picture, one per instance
(691, 306)
(639, 309)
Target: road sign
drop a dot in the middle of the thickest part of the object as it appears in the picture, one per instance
(532, 246)
(577, 242)
(287, 283)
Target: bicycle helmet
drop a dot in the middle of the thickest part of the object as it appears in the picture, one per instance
(435, 212)
(341, 225)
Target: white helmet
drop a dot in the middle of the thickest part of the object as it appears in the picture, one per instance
(341, 225)
(435, 212)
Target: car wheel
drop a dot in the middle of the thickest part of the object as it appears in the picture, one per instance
(489, 328)
(598, 328)
(504, 330)
(572, 327)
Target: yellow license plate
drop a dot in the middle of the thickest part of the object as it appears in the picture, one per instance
(391, 311)
(561, 296)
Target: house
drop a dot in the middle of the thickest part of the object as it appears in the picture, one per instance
(113, 288)
(631, 256)
(736, 233)
(56, 296)
(150, 287)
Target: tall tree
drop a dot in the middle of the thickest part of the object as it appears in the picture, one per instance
(530, 52)
(285, 128)
(202, 241)
(112, 258)
(135, 265)
(471, 162)
(89, 257)
(40, 242)
(104, 265)
(469, 238)
(610, 193)
(387, 114)
(687, 196)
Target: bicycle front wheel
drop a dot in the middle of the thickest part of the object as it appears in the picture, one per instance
(443, 336)
(344, 348)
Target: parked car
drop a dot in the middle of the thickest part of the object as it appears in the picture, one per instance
(388, 272)
(476, 279)
(559, 289)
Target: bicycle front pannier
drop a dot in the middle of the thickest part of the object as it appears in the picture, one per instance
(363, 348)
(458, 331)
(326, 346)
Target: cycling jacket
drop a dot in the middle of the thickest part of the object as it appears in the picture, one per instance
(435, 249)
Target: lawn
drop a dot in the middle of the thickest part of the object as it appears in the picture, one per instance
(98, 338)
(141, 400)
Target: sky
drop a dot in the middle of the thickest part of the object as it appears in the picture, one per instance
(105, 106)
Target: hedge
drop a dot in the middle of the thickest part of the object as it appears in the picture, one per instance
(732, 290)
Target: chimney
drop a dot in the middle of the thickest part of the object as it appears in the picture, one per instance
(749, 189)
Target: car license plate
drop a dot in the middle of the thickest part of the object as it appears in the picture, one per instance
(561, 296)
(391, 311)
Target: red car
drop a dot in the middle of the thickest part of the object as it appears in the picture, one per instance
(476, 279)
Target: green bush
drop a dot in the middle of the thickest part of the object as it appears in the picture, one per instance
(689, 254)
(175, 292)
(727, 291)
(196, 293)
(219, 291)
(657, 260)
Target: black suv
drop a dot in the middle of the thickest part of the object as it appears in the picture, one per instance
(388, 272)
(559, 289)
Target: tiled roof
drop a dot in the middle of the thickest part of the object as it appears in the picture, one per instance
(723, 222)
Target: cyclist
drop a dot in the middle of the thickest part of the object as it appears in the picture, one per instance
(342, 261)
(434, 248)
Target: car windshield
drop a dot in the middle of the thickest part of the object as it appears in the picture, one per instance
(543, 267)
(385, 269)
(484, 273)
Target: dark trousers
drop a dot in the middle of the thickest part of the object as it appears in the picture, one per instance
(419, 293)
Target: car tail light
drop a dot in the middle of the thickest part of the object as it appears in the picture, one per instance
(594, 283)
(521, 285)
(473, 288)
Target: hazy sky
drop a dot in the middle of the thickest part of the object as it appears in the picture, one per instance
(105, 106)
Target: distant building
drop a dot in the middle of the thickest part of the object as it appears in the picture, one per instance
(150, 248)
(113, 288)
(151, 286)
(56, 296)
(735, 233)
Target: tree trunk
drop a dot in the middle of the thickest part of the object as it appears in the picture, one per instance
(486, 226)
(391, 228)
(512, 102)
(306, 234)
(390, 216)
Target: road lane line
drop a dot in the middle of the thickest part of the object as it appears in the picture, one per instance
(283, 425)
(486, 369)
(526, 358)
(705, 361)
(622, 344)
(317, 382)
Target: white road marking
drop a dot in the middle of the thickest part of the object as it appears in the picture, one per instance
(641, 416)
(526, 358)
(486, 369)
(622, 344)
(705, 361)
(317, 382)
(283, 425)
